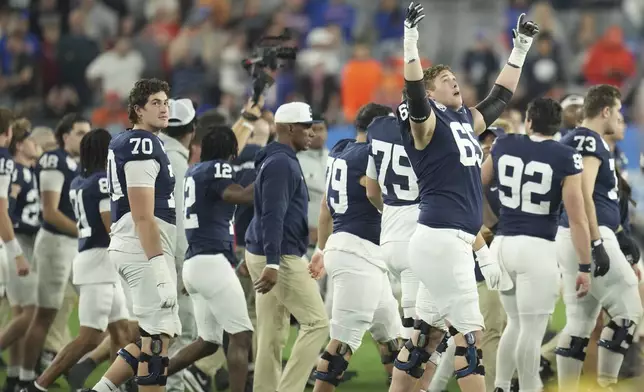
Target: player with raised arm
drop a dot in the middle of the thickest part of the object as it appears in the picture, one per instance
(349, 236)
(143, 229)
(56, 242)
(614, 287)
(102, 302)
(534, 174)
(439, 136)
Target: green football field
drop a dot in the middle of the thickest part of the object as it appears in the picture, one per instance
(366, 362)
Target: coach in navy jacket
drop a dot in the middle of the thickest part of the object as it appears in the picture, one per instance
(276, 240)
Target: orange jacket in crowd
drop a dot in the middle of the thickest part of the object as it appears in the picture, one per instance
(609, 61)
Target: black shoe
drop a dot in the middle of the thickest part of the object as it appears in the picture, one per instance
(222, 379)
(11, 384)
(79, 373)
(514, 387)
(196, 380)
(28, 386)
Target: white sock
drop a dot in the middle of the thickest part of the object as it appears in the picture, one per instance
(13, 371)
(27, 375)
(43, 389)
(105, 385)
(568, 369)
(528, 351)
(444, 370)
(505, 354)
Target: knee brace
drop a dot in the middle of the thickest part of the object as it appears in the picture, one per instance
(418, 356)
(577, 349)
(393, 349)
(156, 363)
(472, 355)
(336, 367)
(408, 322)
(130, 359)
(622, 336)
(442, 346)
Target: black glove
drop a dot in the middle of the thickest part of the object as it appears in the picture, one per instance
(525, 27)
(629, 247)
(600, 258)
(415, 13)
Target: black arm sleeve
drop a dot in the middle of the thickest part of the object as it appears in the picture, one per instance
(417, 102)
(494, 104)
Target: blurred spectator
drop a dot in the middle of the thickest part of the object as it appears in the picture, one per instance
(545, 70)
(233, 79)
(389, 20)
(322, 48)
(153, 41)
(50, 72)
(101, 22)
(18, 80)
(481, 65)
(609, 60)
(117, 69)
(75, 52)
(319, 88)
(338, 12)
(112, 115)
(361, 78)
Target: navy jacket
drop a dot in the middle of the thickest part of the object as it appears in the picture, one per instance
(279, 225)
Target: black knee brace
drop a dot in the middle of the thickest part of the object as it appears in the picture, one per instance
(130, 359)
(418, 356)
(156, 363)
(442, 346)
(393, 349)
(336, 367)
(577, 349)
(472, 355)
(622, 336)
(408, 322)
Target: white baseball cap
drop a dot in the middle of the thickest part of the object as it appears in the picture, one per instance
(295, 113)
(572, 99)
(182, 112)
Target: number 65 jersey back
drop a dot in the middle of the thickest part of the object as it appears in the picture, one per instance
(137, 158)
(530, 175)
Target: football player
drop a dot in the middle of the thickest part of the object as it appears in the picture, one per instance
(614, 286)
(439, 137)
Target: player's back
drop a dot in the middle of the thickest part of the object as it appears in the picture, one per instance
(208, 219)
(86, 195)
(350, 208)
(530, 172)
(390, 166)
(605, 193)
(58, 161)
(448, 170)
(126, 151)
(25, 209)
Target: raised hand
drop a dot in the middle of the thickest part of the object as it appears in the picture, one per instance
(415, 13)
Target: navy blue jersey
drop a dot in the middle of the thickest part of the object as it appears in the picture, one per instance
(530, 176)
(208, 219)
(25, 208)
(492, 196)
(244, 167)
(392, 168)
(448, 170)
(59, 160)
(605, 193)
(86, 194)
(350, 208)
(138, 145)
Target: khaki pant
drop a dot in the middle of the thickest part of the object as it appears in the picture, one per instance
(494, 319)
(298, 294)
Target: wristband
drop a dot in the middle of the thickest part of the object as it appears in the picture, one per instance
(318, 250)
(13, 248)
(249, 116)
(410, 45)
(517, 57)
(584, 268)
